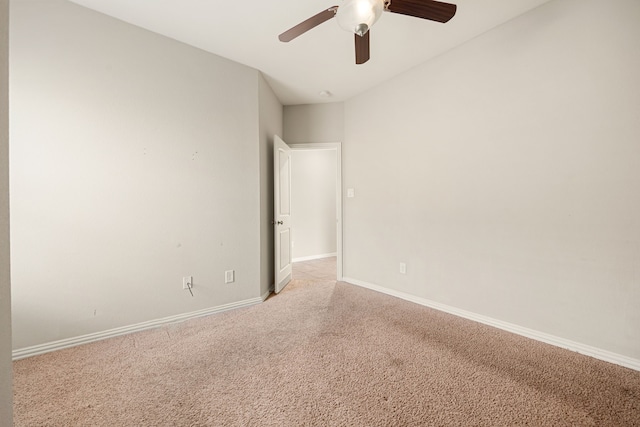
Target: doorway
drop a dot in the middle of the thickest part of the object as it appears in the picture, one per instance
(316, 199)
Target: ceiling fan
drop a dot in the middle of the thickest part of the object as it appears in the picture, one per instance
(357, 16)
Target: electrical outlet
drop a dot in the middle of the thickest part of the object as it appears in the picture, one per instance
(229, 276)
(403, 268)
(187, 282)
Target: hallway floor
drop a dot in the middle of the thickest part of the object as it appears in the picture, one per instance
(323, 269)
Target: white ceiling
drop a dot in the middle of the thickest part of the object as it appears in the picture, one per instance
(246, 31)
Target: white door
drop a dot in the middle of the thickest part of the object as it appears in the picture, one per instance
(282, 214)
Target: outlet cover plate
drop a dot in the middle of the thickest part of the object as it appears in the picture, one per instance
(229, 276)
(187, 282)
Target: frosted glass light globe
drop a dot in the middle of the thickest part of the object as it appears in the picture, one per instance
(357, 16)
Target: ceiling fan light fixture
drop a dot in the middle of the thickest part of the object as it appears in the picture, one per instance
(357, 16)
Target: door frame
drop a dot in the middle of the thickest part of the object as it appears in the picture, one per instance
(337, 147)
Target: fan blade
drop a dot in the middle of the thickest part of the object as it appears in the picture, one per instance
(310, 23)
(362, 48)
(426, 9)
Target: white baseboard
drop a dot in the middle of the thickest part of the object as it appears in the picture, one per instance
(35, 350)
(587, 350)
(312, 257)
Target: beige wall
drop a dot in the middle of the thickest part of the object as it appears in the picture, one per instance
(6, 409)
(314, 123)
(271, 123)
(505, 173)
(135, 161)
(313, 203)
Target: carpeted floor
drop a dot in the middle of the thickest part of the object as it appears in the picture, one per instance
(324, 354)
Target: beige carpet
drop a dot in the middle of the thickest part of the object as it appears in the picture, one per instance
(326, 354)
